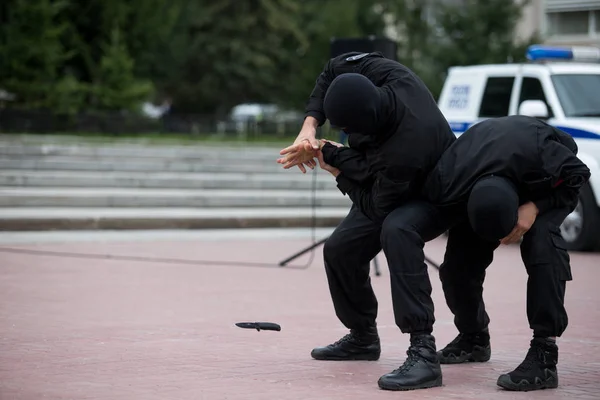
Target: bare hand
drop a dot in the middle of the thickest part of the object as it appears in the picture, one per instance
(299, 154)
(332, 170)
(527, 214)
(302, 152)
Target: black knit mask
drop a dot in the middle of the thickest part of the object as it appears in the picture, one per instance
(354, 103)
(493, 208)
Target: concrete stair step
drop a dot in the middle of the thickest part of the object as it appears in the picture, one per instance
(44, 219)
(131, 197)
(195, 154)
(123, 179)
(66, 164)
(50, 147)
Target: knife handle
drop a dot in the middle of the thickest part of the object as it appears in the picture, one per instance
(268, 326)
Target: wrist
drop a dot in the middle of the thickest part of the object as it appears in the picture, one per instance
(312, 123)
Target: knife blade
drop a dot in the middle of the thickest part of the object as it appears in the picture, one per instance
(265, 326)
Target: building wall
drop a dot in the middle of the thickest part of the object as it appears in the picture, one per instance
(562, 22)
(532, 20)
(558, 22)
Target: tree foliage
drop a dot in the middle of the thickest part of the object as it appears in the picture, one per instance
(207, 56)
(479, 32)
(32, 53)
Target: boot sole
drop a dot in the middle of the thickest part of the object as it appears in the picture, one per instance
(506, 383)
(427, 385)
(479, 354)
(357, 357)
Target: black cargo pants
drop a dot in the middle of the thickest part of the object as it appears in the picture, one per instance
(402, 235)
(544, 254)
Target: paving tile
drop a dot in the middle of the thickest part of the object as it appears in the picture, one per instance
(77, 328)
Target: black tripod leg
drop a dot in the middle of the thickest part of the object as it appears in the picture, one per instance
(301, 252)
(432, 263)
(376, 266)
(320, 242)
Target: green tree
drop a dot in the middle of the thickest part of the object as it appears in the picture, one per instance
(477, 32)
(321, 21)
(236, 51)
(414, 31)
(434, 35)
(116, 87)
(32, 54)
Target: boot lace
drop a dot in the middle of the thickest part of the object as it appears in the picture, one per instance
(344, 339)
(534, 356)
(409, 363)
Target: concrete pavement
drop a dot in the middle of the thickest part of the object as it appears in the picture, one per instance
(92, 328)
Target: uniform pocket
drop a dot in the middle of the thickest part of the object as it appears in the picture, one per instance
(390, 194)
(563, 260)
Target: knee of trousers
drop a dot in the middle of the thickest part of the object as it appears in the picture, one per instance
(455, 280)
(334, 248)
(545, 246)
(398, 234)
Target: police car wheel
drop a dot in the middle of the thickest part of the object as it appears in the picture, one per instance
(581, 228)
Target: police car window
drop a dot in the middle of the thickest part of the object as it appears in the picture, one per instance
(578, 94)
(496, 97)
(531, 89)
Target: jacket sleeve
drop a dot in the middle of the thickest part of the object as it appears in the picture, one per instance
(349, 161)
(314, 106)
(377, 200)
(567, 175)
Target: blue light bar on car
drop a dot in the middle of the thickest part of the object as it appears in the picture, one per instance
(575, 53)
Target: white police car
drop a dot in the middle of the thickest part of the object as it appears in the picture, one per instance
(559, 85)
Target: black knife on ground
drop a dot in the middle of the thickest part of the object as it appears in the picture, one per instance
(264, 326)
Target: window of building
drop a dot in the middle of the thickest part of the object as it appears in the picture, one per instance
(597, 20)
(496, 97)
(569, 23)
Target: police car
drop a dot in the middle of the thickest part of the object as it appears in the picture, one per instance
(558, 85)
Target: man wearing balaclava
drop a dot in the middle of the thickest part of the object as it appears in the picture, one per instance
(396, 134)
(504, 180)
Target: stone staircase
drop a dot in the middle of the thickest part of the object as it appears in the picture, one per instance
(63, 185)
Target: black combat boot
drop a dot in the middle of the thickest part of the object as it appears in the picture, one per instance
(467, 347)
(357, 345)
(537, 371)
(421, 369)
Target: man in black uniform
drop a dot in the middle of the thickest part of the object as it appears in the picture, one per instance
(511, 178)
(396, 136)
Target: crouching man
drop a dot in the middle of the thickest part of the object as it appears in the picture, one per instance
(513, 178)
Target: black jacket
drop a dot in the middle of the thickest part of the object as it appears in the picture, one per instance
(539, 159)
(385, 169)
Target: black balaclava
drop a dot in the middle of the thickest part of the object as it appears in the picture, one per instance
(354, 103)
(493, 208)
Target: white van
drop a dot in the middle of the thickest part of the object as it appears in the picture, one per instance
(558, 85)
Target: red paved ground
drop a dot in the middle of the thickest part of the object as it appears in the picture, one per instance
(110, 329)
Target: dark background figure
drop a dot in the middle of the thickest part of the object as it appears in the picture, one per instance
(396, 134)
(513, 177)
(343, 137)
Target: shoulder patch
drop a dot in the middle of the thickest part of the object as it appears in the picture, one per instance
(357, 57)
